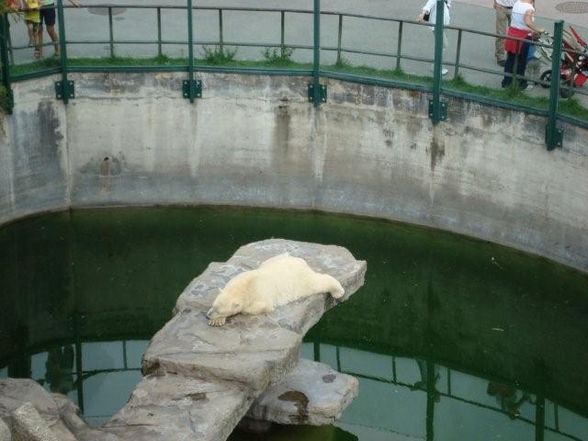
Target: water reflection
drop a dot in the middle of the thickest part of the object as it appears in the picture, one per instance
(399, 395)
(451, 338)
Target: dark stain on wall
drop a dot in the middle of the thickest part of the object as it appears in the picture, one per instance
(437, 149)
(38, 135)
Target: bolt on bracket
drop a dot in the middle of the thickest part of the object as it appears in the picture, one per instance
(322, 93)
(65, 90)
(442, 111)
(192, 89)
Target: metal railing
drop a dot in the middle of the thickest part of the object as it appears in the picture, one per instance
(315, 70)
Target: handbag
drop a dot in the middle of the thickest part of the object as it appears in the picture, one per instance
(427, 16)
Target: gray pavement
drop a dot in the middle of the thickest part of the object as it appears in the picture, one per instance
(263, 28)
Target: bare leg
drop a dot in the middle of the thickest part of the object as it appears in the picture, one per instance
(54, 39)
(31, 33)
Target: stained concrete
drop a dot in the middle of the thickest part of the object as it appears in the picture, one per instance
(256, 141)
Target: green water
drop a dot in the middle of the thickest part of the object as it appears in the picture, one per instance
(451, 338)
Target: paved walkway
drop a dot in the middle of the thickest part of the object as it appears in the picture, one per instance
(264, 28)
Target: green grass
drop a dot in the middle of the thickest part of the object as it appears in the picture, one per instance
(272, 60)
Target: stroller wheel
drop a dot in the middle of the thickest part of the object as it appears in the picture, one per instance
(546, 79)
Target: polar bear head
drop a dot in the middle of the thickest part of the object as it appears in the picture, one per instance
(225, 305)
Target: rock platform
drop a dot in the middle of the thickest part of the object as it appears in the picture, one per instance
(200, 381)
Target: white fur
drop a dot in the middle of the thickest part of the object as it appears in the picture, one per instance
(279, 280)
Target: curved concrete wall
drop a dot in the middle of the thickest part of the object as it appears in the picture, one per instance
(132, 139)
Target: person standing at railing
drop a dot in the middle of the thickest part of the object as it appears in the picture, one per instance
(503, 10)
(522, 27)
(429, 15)
(48, 18)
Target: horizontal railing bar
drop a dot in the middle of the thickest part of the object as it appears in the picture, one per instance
(254, 70)
(373, 81)
(497, 102)
(35, 74)
(199, 68)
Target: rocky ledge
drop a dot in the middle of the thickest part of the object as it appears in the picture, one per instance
(200, 381)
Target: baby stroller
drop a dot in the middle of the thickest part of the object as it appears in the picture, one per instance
(574, 63)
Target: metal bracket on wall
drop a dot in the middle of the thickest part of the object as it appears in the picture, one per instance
(441, 111)
(192, 88)
(64, 90)
(322, 93)
(553, 138)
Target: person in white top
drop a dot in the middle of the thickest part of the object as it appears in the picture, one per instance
(503, 10)
(522, 26)
(430, 9)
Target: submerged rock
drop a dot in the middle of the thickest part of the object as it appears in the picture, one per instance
(28, 425)
(312, 393)
(36, 415)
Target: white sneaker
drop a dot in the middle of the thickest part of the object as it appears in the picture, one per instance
(444, 71)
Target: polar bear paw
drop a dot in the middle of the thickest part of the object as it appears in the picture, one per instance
(217, 321)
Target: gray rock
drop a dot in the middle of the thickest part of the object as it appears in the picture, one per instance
(172, 407)
(58, 413)
(4, 431)
(334, 260)
(14, 392)
(312, 393)
(28, 425)
(76, 425)
(200, 380)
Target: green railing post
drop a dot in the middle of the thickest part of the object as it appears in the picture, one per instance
(283, 33)
(457, 54)
(339, 38)
(399, 47)
(437, 109)
(159, 49)
(553, 135)
(64, 89)
(8, 105)
(317, 93)
(191, 88)
(220, 30)
(111, 31)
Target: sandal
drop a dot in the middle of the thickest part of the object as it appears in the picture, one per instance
(37, 54)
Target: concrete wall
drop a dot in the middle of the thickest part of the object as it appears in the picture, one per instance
(255, 140)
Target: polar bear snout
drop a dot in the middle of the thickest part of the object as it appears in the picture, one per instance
(214, 318)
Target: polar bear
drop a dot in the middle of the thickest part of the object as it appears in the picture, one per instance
(279, 280)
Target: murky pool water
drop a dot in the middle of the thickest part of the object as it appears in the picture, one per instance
(451, 338)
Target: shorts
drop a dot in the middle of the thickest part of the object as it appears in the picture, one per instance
(32, 16)
(48, 15)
